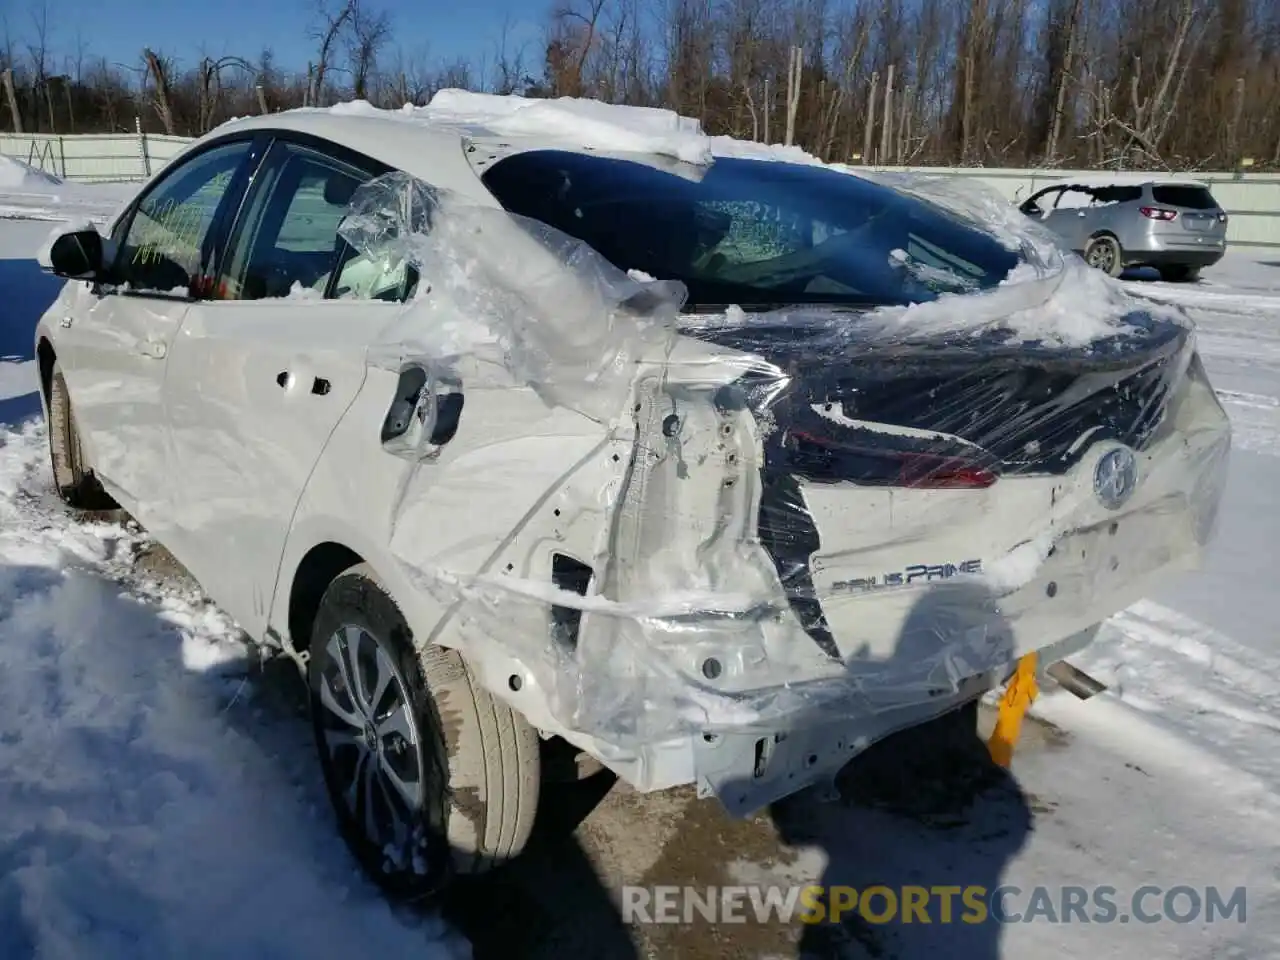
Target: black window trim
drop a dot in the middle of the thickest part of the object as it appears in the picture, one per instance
(328, 148)
(1035, 198)
(233, 197)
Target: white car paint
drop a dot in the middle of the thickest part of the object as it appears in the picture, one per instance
(201, 420)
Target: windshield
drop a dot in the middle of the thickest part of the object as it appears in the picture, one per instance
(755, 233)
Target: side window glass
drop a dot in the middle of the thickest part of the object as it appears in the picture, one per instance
(1074, 198)
(287, 243)
(163, 248)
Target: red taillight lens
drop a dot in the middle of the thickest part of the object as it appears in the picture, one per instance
(1158, 213)
(833, 460)
(943, 473)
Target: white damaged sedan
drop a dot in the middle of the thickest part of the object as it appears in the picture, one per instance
(716, 464)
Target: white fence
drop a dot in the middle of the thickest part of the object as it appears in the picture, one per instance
(94, 157)
(1251, 200)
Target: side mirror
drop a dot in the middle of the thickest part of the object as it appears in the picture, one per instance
(76, 255)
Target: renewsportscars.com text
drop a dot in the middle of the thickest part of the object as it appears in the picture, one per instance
(937, 904)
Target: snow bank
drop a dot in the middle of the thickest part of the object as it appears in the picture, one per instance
(152, 806)
(17, 379)
(16, 175)
(30, 194)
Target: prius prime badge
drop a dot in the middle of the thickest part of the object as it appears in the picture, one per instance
(1115, 477)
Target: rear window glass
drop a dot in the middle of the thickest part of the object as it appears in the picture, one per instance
(755, 233)
(1178, 195)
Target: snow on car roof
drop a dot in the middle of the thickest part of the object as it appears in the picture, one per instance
(567, 122)
(1094, 181)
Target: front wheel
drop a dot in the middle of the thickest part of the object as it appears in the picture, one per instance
(1104, 253)
(73, 479)
(429, 775)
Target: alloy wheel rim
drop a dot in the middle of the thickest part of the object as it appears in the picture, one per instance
(372, 739)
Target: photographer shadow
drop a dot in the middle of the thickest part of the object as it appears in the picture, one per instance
(925, 808)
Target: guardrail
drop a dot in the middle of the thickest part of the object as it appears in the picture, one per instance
(1252, 200)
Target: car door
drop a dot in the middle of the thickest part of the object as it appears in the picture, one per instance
(120, 339)
(261, 374)
(1070, 217)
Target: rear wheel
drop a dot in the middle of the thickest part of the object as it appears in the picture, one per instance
(1179, 273)
(429, 775)
(73, 479)
(1104, 253)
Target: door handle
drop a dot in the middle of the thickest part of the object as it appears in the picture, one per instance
(319, 385)
(423, 416)
(156, 349)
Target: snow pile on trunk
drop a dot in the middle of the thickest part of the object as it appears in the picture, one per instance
(1075, 307)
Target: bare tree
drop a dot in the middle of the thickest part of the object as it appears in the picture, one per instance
(369, 33)
(330, 23)
(159, 70)
(1163, 83)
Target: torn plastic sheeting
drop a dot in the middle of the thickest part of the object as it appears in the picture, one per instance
(563, 320)
(812, 514)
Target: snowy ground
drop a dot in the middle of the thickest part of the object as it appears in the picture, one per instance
(154, 807)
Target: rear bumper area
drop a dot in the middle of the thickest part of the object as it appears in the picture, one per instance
(917, 650)
(930, 608)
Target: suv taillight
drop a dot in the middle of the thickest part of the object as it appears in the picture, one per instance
(1158, 213)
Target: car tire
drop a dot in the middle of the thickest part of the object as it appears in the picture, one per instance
(1104, 253)
(1179, 273)
(73, 479)
(475, 759)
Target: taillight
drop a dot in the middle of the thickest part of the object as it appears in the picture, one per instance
(1158, 213)
(827, 458)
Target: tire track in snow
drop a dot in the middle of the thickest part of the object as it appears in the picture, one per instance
(1212, 703)
(1255, 420)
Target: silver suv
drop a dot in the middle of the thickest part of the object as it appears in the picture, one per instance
(1174, 225)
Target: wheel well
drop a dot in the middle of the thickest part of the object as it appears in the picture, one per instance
(1105, 233)
(46, 357)
(318, 568)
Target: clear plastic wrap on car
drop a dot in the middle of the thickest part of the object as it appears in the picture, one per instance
(805, 514)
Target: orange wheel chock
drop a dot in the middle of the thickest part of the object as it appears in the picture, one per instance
(1018, 695)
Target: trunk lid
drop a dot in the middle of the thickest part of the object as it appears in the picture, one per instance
(996, 405)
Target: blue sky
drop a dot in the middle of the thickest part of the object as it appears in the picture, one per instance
(433, 30)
